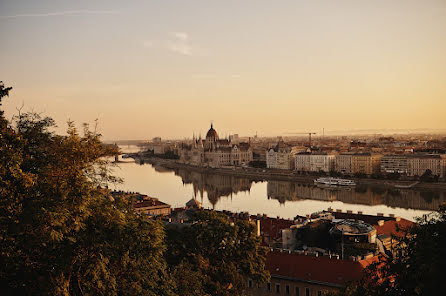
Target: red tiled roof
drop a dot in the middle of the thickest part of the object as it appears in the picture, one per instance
(272, 227)
(152, 203)
(314, 269)
(390, 227)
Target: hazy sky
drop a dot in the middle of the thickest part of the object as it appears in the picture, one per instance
(167, 68)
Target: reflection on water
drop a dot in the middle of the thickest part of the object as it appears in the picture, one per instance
(275, 198)
(426, 200)
(217, 186)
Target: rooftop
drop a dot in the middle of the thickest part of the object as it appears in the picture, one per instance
(322, 269)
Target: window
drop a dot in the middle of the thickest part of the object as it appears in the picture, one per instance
(268, 287)
(307, 291)
(319, 293)
(250, 283)
(297, 291)
(287, 289)
(277, 288)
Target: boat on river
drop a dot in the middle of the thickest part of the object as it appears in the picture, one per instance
(334, 181)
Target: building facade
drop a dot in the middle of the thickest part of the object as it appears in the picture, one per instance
(343, 163)
(215, 152)
(417, 165)
(314, 162)
(394, 164)
(151, 206)
(302, 162)
(280, 157)
(366, 163)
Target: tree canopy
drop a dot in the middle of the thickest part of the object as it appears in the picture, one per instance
(219, 253)
(58, 233)
(418, 264)
(61, 235)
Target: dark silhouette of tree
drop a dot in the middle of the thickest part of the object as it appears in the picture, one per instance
(426, 176)
(417, 267)
(218, 254)
(59, 234)
(4, 91)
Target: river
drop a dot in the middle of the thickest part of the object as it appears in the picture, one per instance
(274, 198)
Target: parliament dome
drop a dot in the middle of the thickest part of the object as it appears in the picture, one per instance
(212, 133)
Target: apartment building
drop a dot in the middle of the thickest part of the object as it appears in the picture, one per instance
(394, 164)
(302, 162)
(343, 163)
(366, 163)
(417, 165)
(314, 162)
(280, 157)
(307, 275)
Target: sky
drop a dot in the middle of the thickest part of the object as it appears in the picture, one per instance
(168, 68)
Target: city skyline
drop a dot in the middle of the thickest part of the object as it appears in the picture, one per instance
(167, 68)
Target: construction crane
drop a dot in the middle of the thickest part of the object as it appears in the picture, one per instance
(309, 136)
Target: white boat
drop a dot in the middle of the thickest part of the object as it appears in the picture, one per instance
(334, 181)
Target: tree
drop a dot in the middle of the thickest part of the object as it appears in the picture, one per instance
(218, 254)
(426, 176)
(59, 234)
(418, 264)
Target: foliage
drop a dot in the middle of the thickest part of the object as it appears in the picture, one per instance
(394, 176)
(218, 254)
(59, 235)
(418, 264)
(427, 176)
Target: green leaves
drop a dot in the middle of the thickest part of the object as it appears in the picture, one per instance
(59, 233)
(418, 264)
(219, 254)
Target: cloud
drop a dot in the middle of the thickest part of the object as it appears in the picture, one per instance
(59, 13)
(179, 43)
(180, 35)
(179, 47)
(176, 42)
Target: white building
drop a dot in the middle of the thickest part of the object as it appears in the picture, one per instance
(314, 162)
(394, 164)
(344, 163)
(280, 157)
(417, 165)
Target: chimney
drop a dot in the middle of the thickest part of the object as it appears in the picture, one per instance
(381, 222)
(338, 211)
(349, 212)
(380, 214)
(392, 215)
(359, 212)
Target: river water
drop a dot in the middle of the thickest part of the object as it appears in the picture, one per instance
(274, 198)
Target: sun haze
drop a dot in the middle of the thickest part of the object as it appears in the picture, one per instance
(167, 68)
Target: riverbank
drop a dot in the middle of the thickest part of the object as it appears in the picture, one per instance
(256, 174)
